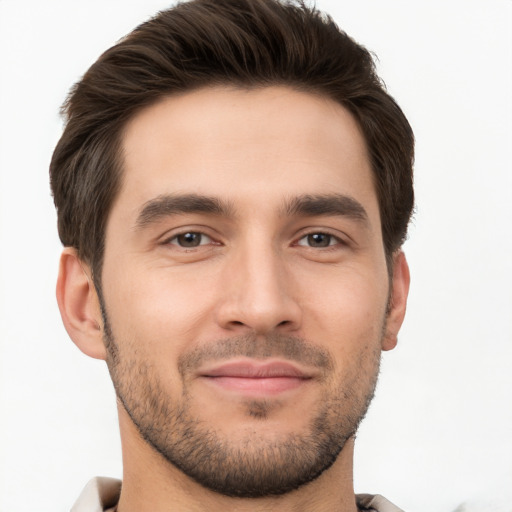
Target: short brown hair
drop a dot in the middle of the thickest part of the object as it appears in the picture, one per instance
(246, 43)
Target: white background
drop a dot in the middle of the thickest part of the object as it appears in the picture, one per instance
(440, 430)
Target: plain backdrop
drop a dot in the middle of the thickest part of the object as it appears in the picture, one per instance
(439, 432)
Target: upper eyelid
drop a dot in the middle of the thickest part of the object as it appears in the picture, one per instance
(175, 232)
(335, 233)
(215, 237)
(338, 239)
(189, 231)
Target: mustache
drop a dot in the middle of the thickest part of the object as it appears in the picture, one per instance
(254, 346)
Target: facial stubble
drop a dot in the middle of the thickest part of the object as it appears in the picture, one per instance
(251, 466)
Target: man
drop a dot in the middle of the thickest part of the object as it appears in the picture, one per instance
(233, 188)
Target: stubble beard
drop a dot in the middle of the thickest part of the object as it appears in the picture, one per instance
(251, 466)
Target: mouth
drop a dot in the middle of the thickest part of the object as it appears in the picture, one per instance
(256, 378)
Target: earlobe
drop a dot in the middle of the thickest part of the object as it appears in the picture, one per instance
(397, 300)
(79, 305)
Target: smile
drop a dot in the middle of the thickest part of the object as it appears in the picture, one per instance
(256, 378)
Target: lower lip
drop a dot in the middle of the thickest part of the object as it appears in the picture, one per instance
(258, 386)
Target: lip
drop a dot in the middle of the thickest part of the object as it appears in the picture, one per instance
(256, 378)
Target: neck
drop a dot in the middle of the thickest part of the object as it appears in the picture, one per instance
(150, 483)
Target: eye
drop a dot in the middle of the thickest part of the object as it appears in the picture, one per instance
(190, 240)
(318, 240)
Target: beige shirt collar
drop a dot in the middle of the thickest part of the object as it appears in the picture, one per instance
(101, 495)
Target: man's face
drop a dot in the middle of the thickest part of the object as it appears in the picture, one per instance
(245, 286)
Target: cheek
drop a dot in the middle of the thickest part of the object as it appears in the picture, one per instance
(163, 308)
(349, 310)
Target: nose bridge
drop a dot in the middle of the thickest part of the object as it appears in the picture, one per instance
(264, 276)
(259, 290)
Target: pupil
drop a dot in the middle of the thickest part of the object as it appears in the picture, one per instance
(189, 239)
(319, 240)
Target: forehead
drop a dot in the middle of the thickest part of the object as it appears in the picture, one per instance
(244, 145)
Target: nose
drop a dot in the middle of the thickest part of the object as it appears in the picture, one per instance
(258, 294)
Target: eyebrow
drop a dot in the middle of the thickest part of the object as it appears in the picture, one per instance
(306, 205)
(327, 204)
(174, 204)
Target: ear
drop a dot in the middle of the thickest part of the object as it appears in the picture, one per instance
(397, 300)
(79, 304)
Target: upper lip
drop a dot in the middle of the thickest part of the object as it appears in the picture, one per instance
(255, 370)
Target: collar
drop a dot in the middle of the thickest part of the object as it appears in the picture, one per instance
(101, 494)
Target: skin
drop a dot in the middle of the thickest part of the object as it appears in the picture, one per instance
(255, 273)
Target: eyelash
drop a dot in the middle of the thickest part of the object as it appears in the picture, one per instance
(330, 246)
(169, 241)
